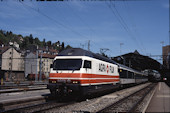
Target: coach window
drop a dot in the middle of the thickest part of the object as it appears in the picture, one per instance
(87, 64)
(123, 73)
(130, 74)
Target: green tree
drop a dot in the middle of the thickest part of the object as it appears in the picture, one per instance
(44, 43)
(49, 44)
(31, 39)
(62, 45)
(37, 42)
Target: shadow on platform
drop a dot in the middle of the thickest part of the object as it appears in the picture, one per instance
(168, 83)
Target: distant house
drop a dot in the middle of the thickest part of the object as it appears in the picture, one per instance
(46, 50)
(34, 62)
(49, 51)
(12, 64)
(2, 50)
(32, 48)
(53, 51)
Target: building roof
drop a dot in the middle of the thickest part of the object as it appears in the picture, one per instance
(3, 49)
(139, 62)
(45, 55)
(53, 50)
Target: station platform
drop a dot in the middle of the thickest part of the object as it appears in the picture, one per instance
(160, 101)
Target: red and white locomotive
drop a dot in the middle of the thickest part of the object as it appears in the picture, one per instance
(82, 72)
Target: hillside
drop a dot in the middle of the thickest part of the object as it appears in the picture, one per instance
(25, 42)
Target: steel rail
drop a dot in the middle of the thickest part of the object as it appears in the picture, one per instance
(131, 109)
(35, 105)
(38, 108)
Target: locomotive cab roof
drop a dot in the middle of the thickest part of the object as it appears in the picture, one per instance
(82, 52)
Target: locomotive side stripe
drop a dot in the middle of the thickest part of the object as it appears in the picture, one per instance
(81, 75)
(99, 83)
(53, 78)
(64, 75)
(86, 79)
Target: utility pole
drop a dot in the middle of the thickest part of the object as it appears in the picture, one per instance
(162, 42)
(120, 47)
(40, 67)
(169, 37)
(89, 45)
(36, 76)
(12, 52)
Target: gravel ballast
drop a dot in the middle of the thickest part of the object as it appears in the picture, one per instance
(96, 104)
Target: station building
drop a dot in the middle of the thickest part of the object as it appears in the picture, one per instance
(166, 56)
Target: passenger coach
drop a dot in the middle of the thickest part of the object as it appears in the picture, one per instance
(130, 76)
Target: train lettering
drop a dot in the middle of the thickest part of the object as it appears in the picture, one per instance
(111, 69)
(102, 67)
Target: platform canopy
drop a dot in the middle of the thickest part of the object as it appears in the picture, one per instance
(139, 62)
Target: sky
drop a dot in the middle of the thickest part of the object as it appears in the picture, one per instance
(122, 26)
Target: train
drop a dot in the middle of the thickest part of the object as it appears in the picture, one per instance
(80, 72)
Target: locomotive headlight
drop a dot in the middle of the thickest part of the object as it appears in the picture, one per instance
(75, 82)
(53, 81)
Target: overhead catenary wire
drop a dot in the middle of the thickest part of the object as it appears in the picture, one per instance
(62, 25)
(131, 18)
(90, 29)
(121, 21)
(54, 20)
(40, 20)
(81, 19)
(58, 23)
(127, 28)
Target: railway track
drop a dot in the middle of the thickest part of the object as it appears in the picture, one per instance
(38, 108)
(22, 89)
(130, 103)
(47, 103)
(33, 105)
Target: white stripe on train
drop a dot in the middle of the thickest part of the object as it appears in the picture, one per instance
(83, 78)
(101, 83)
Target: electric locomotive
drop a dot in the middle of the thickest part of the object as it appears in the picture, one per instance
(78, 71)
(82, 72)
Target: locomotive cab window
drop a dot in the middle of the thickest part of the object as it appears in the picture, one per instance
(87, 64)
(67, 64)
